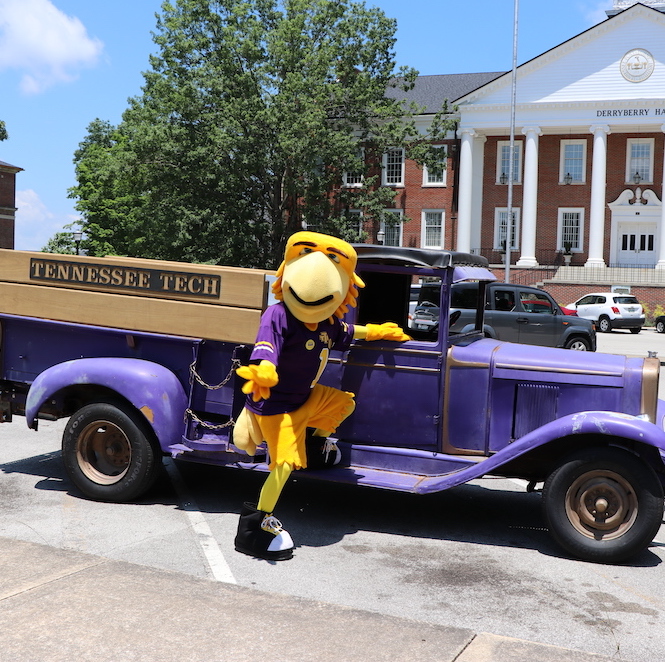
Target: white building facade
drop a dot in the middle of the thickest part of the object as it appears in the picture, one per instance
(589, 150)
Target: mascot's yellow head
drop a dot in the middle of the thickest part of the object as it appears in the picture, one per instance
(317, 278)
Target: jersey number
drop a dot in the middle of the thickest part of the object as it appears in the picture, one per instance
(323, 360)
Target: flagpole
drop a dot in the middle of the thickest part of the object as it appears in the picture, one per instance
(511, 167)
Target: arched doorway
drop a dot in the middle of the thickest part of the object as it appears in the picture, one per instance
(635, 229)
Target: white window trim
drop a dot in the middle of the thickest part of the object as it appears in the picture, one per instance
(423, 227)
(384, 163)
(500, 144)
(497, 225)
(559, 227)
(442, 183)
(359, 184)
(400, 225)
(562, 159)
(633, 141)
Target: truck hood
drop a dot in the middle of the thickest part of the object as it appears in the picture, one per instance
(530, 363)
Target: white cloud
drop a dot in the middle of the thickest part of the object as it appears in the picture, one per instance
(35, 224)
(45, 45)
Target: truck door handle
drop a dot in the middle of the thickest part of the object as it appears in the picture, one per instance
(522, 320)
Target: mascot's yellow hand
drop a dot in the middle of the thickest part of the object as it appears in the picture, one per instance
(386, 331)
(260, 379)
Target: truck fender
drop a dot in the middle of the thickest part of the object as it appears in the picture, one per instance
(605, 423)
(153, 389)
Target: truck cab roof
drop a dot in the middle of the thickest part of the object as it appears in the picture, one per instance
(417, 257)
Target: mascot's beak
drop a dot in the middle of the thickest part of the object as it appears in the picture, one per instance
(314, 285)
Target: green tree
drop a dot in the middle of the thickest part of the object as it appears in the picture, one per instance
(249, 115)
(3, 131)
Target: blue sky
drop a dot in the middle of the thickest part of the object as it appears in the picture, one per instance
(64, 63)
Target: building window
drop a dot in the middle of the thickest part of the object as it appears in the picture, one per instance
(354, 219)
(639, 160)
(503, 162)
(572, 166)
(432, 228)
(354, 179)
(435, 174)
(392, 229)
(393, 167)
(501, 225)
(570, 229)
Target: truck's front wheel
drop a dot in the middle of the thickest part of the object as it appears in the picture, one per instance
(109, 452)
(603, 505)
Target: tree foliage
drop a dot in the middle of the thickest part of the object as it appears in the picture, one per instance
(250, 113)
(3, 131)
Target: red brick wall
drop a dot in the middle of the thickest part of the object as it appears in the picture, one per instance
(7, 189)
(552, 195)
(7, 205)
(415, 197)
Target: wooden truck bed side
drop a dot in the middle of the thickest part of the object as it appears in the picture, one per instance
(175, 298)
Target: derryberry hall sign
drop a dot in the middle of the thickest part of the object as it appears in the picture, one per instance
(632, 112)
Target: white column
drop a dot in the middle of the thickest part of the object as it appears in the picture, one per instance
(598, 186)
(465, 195)
(477, 187)
(661, 245)
(529, 198)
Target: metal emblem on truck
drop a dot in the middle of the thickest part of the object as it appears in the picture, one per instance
(109, 276)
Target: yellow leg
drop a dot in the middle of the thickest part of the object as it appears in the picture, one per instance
(273, 486)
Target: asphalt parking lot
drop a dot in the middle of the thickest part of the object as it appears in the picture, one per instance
(636, 344)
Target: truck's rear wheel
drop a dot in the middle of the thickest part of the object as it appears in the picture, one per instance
(109, 452)
(603, 505)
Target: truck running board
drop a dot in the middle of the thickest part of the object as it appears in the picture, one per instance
(371, 466)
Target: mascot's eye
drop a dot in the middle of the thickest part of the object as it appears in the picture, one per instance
(334, 257)
(304, 251)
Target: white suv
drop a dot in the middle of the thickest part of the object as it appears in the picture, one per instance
(611, 310)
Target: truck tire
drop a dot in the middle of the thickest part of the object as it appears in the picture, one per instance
(604, 324)
(578, 343)
(603, 505)
(110, 452)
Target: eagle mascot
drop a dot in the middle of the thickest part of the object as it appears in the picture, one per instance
(286, 406)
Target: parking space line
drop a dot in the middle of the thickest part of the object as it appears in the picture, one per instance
(211, 551)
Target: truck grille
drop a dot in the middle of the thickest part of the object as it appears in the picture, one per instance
(535, 405)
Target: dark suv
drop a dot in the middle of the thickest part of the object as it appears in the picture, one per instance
(514, 313)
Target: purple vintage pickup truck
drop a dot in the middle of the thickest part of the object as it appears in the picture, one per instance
(432, 413)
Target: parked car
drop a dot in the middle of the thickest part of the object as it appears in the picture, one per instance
(514, 313)
(611, 310)
(421, 295)
(660, 324)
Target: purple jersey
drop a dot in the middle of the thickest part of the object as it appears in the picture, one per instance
(299, 354)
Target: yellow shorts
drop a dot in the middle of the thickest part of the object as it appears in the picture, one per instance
(325, 408)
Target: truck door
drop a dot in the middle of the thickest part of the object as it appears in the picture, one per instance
(397, 385)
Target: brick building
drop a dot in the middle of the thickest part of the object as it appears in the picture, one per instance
(7, 203)
(587, 171)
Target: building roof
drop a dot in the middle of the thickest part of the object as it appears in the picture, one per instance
(430, 91)
(9, 166)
